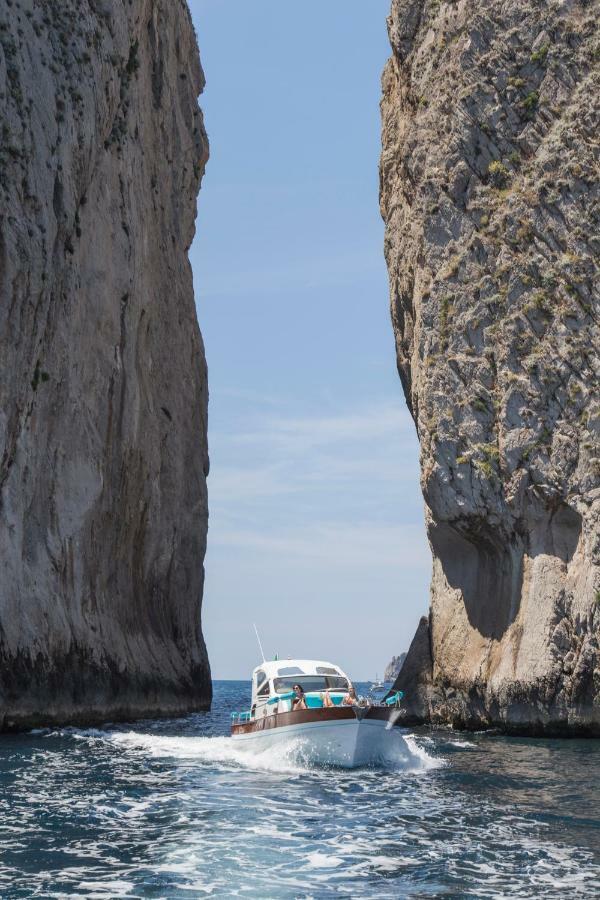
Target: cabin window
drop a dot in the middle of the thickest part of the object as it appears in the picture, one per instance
(260, 677)
(290, 670)
(324, 670)
(312, 683)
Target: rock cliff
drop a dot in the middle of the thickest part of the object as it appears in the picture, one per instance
(392, 670)
(489, 191)
(103, 395)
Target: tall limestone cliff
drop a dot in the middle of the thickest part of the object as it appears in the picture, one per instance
(392, 670)
(489, 191)
(103, 395)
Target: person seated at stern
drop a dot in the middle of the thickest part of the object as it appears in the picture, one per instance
(299, 702)
(350, 699)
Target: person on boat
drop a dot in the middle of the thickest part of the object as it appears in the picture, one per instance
(350, 699)
(299, 701)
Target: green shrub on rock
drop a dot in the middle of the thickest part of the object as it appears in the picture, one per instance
(498, 173)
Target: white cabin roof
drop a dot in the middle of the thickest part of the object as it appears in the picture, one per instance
(282, 667)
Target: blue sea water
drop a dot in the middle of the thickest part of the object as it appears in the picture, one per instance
(173, 809)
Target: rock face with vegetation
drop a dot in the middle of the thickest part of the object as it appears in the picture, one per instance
(489, 191)
(103, 451)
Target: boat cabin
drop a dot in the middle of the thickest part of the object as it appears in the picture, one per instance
(273, 684)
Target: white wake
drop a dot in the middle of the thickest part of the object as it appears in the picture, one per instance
(397, 751)
(403, 752)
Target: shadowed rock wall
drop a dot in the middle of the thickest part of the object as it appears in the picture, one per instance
(103, 395)
(489, 191)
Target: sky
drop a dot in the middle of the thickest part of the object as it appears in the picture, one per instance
(316, 526)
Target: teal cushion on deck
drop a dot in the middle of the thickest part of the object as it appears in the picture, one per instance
(289, 695)
(395, 698)
(313, 701)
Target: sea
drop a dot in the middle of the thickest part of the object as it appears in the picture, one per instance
(173, 808)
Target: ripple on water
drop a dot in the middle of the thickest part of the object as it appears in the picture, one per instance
(171, 809)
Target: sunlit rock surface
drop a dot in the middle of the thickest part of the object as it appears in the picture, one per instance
(103, 451)
(489, 191)
(392, 669)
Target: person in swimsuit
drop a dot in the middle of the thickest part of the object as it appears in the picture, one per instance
(350, 699)
(299, 702)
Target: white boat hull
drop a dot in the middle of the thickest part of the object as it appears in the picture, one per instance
(347, 743)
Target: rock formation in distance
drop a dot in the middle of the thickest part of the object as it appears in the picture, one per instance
(392, 670)
(489, 191)
(103, 450)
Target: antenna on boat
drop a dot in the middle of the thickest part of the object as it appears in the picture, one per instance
(259, 643)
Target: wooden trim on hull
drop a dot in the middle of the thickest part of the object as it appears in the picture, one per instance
(304, 716)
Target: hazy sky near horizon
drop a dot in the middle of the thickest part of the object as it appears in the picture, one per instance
(316, 518)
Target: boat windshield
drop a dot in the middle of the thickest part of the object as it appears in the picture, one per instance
(311, 683)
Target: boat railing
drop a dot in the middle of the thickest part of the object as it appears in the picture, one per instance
(313, 700)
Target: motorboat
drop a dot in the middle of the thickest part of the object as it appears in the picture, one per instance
(377, 685)
(332, 727)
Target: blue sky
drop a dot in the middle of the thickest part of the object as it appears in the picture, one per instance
(316, 518)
